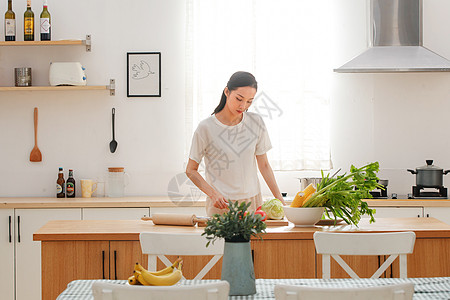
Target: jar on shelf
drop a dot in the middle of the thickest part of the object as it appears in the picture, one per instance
(117, 182)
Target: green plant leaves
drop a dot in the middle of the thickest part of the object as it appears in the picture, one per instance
(235, 225)
(343, 196)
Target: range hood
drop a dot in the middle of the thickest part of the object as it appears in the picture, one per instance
(396, 41)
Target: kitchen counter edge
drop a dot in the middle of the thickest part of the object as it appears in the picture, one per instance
(165, 201)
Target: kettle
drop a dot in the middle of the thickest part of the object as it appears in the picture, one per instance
(304, 182)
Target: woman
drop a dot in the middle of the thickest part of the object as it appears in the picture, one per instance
(230, 140)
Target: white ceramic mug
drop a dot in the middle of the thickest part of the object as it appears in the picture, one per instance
(87, 187)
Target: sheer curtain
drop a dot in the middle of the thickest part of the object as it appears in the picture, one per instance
(286, 45)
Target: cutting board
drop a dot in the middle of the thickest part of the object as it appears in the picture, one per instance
(282, 222)
(268, 223)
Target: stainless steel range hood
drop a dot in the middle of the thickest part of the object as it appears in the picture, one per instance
(396, 41)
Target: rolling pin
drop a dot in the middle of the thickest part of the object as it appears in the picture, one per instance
(176, 219)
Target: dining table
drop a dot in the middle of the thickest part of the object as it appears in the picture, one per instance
(424, 288)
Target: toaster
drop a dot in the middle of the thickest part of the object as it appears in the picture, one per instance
(67, 73)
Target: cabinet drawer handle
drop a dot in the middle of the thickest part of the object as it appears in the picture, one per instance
(18, 229)
(103, 264)
(418, 216)
(115, 264)
(428, 215)
(9, 229)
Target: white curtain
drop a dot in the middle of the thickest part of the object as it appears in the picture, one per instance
(286, 45)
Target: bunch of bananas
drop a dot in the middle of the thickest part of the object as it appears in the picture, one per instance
(166, 276)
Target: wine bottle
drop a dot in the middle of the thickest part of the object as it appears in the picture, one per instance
(46, 27)
(70, 185)
(60, 185)
(28, 23)
(10, 23)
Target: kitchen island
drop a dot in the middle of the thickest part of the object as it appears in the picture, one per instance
(93, 249)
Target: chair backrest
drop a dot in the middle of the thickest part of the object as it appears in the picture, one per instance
(334, 244)
(403, 291)
(113, 291)
(159, 244)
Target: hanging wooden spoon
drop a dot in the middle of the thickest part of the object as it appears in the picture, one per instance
(35, 154)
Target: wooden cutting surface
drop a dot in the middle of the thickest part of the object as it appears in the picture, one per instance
(165, 201)
(130, 229)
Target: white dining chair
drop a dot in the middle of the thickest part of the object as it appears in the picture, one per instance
(113, 291)
(402, 291)
(160, 244)
(395, 244)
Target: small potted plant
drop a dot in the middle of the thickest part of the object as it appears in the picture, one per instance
(236, 226)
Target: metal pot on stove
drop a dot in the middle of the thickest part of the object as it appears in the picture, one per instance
(429, 176)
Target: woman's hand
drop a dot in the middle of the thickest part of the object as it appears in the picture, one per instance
(218, 200)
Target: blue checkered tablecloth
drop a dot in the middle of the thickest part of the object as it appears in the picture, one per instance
(424, 288)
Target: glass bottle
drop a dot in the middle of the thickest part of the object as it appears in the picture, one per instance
(60, 190)
(10, 23)
(45, 24)
(28, 23)
(70, 185)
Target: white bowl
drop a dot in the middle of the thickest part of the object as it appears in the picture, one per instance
(303, 216)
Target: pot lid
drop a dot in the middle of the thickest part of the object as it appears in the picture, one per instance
(429, 166)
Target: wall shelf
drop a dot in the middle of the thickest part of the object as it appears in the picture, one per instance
(111, 87)
(86, 42)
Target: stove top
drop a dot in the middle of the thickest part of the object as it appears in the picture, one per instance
(427, 195)
(434, 193)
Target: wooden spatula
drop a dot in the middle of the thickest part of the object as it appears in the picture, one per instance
(35, 154)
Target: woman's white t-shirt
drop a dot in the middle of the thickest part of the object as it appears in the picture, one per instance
(229, 152)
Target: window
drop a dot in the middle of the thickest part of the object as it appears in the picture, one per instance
(286, 45)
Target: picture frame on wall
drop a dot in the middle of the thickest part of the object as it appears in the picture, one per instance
(143, 74)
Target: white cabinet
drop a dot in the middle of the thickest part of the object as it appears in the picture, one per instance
(440, 213)
(196, 210)
(28, 252)
(397, 212)
(7, 254)
(122, 213)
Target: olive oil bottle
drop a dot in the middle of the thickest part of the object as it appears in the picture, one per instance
(28, 23)
(10, 23)
(45, 24)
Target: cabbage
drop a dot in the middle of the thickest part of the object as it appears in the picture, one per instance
(274, 209)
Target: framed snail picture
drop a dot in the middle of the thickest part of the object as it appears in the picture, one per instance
(143, 74)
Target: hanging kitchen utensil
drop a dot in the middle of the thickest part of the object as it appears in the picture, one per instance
(113, 143)
(35, 154)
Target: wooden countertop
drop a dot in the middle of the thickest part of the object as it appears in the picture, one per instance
(165, 201)
(130, 229)
(145, 201)
(409, 202)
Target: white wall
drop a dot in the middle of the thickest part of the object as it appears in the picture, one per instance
(75, 127)
(397, 119)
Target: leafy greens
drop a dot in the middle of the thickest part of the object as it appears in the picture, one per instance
(343, 196)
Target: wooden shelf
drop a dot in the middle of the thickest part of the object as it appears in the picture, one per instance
(86, 42)
(111, 87)
(52, 88)
(44, 43)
